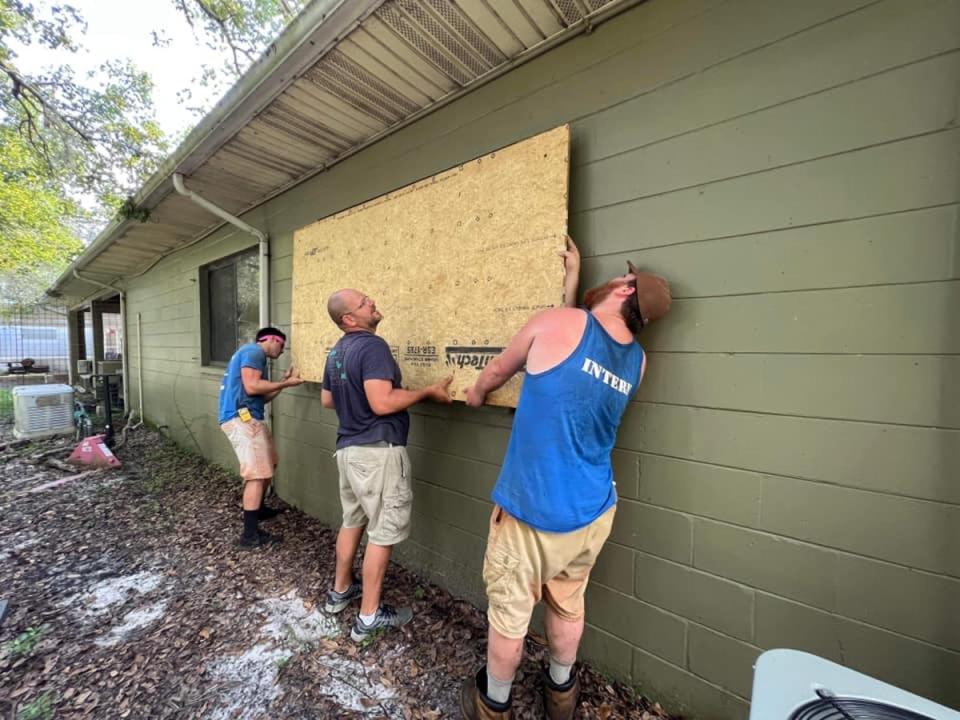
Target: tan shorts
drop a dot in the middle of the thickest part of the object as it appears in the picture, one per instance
(375, 491)
(522, 565)
(253, 444)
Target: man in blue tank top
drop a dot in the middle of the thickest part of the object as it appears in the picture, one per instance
(555, 497)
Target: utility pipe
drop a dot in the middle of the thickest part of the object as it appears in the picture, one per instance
(261, 236)
(123, 324)
(140, 367)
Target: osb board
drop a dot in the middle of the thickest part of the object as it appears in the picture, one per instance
(456, 263)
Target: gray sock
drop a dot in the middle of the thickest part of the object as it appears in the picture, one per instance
(559, 671)
(498, 690)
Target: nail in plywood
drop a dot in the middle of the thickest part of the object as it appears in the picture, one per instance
(456, 264)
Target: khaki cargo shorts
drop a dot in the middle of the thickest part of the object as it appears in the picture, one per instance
(253, 444)
(522, 565)
(375, 490)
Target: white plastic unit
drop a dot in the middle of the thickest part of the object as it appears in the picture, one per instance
(794, 685)
(42, 411)
(109, 367)
(84, 367)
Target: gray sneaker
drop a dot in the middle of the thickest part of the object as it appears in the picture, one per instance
(337, 601)
(387, 617)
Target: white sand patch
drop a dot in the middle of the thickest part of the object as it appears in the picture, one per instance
(348, 685)
(112, 591)
(288, 619)
(133, 620)
(248, 682)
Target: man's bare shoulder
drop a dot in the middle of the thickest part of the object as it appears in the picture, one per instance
(557, 317)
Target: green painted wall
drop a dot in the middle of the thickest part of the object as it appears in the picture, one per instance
(790, 471)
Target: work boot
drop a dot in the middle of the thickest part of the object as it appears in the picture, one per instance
(260, 540)
(474, 703)
(560, 701)
(268, 513)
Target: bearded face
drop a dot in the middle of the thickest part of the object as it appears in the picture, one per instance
(629, 309)
(651, 292)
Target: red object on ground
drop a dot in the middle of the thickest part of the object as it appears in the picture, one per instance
(93, 451)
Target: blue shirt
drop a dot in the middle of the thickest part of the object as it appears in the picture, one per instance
(557, 475)
(232, 395)
(357, 357)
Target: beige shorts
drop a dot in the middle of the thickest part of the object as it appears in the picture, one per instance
(253, 444)
(522, 565)
(375, 491)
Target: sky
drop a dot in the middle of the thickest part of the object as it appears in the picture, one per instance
(122, 29)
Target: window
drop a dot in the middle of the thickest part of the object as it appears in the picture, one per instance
(229, 305)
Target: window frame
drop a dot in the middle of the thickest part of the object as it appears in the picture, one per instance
(204, 271)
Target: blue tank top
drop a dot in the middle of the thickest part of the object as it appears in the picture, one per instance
(557, 475)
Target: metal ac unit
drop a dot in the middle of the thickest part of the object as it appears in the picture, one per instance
(84, 367)
(109, 367)
(794, 685)
(42, 410)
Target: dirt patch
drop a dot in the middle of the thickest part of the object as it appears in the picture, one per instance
(129, 598)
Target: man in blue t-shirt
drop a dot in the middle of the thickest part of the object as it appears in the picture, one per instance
(361, 381)
(555, 497)
(246, 389)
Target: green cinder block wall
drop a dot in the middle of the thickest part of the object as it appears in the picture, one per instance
(789, 472)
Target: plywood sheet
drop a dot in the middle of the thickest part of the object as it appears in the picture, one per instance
(456, 264)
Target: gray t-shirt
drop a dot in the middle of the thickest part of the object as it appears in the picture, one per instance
(357, 357)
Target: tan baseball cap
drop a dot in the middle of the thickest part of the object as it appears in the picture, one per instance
(653, 294)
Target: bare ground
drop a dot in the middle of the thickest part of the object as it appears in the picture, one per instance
(128, 598)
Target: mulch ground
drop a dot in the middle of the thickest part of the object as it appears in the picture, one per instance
(128, 598)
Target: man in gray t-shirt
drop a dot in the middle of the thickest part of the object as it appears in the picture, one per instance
(361, 381)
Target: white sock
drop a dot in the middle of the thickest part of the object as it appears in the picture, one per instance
(559, 671)
(498, 690)
(367, 619)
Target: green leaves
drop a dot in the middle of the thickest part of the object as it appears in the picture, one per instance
(74, 149)
(241, 30)
(71, 147)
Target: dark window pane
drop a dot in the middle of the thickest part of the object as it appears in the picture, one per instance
(223, 313)
(248, 297)
(233, 305)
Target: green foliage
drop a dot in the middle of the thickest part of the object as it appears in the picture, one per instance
(240, 30)
(75, 149)
(40, 708)
(71, 148)
(94, 135)
(25, 643)
(129, 210)
(6, 405)
(34, 215)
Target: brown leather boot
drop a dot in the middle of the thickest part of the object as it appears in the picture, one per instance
(474, 703)
(560, 701)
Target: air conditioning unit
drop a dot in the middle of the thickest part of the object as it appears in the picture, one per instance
(42, 410)
(794, 685)
(84, 367)
(109, 367)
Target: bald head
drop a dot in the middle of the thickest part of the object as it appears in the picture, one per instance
(352, 311)
(342, 302)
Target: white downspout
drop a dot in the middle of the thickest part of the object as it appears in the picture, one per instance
(264, 255)
(123, 324)
(259, 234)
